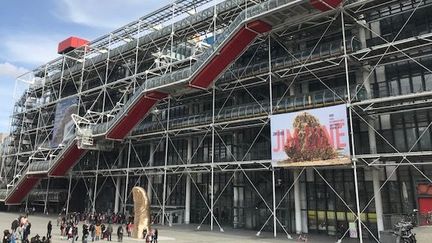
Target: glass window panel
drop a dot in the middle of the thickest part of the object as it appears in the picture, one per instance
(405, 85)
(411, 139)
(417, 84)
(393, 87)
(385, 122)
(428, 81)
(400, 139)
(425, 142)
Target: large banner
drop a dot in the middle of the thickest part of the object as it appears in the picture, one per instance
(315, 137)
(64, 128)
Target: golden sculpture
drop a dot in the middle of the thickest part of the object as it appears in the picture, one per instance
(142, 212)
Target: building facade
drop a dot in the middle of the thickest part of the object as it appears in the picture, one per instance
(180, 102)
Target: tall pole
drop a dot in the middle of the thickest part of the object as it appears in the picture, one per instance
(212, 160)
(117, 196)
(188, 183)
(364, 77)
(274, 203)
(95, 184)
(297, 203)
(354, 159)
(270, 114)
(149, 177)
(46, 197)
(69, 193)
(127, 177)
(166, 163)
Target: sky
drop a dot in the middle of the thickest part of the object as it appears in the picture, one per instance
(31, 30)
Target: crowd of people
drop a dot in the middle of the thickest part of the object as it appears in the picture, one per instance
(20, 231)
(95, 227)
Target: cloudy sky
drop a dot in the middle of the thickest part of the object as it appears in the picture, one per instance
(31, 30)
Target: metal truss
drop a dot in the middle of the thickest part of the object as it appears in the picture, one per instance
(107, 73)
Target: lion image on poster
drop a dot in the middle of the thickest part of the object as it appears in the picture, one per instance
(310, 141)
(141, 212)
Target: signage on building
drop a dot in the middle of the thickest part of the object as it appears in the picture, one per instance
(315, 137)
(64, 128)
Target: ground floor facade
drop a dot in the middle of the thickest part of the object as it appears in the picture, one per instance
(308, 200)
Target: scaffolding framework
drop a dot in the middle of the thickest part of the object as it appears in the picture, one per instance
(151, 94)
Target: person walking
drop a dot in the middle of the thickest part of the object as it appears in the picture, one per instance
(129, 229)
(98, 231)
(109, 231)
(49, 229)
(26, 232)
(92, 229)
(120, 233)
(74, 233)
(155, 235)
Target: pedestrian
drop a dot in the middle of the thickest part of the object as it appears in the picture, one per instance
(15, 225)
(85, 233)
(155, 235)
(49, 229)
(103, 231)
(144, 234)
(98, 231)
(92, 231)
(13, 237)
(109, 231)
(26, 231)
(62, 230)
(129, 229)
(74, 233)
(120, 233)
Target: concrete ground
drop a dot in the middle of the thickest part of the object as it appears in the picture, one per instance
(187, 234)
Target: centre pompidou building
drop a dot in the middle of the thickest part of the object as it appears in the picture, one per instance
(280, 116)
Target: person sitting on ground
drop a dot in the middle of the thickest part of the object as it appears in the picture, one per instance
(35, 239)
(6, 236)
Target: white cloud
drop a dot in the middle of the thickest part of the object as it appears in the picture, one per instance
(28, 48)
(10, 70)
(108, 14)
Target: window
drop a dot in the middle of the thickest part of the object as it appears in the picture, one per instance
(405, 85)
(417, 84)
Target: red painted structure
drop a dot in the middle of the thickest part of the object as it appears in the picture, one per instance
(67, 160)
(135, 114)
(229, 53)
(325, 5)
(70, 43)
(20, 191)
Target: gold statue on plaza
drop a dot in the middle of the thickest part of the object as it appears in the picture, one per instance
(142, 212)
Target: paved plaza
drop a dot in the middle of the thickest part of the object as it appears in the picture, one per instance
(186, 234)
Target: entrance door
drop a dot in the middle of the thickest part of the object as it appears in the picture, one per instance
(425, 209)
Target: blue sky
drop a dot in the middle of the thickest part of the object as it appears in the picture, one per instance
(31, 30)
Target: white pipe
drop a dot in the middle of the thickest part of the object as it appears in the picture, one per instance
(297, 205)
(188, 183)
